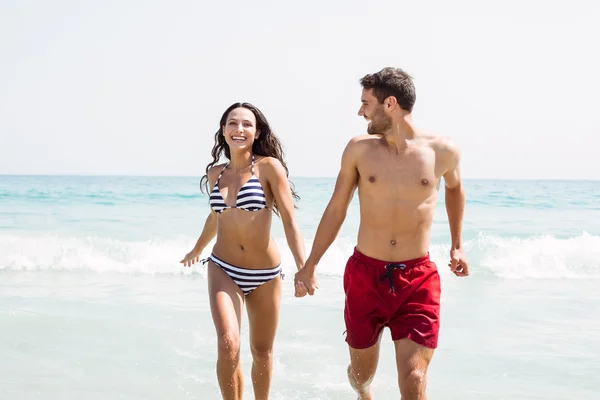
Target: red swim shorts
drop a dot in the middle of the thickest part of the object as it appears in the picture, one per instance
(404, 296)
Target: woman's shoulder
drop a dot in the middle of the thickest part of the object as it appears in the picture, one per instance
(267, 161)
(214, 171)
(217, 168)
(270, 166)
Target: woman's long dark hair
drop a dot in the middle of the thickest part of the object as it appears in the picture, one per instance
(267, 145)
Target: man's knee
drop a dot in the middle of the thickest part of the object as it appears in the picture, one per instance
(229, 346)
(413, 382)
(360, 378)
(261, 352)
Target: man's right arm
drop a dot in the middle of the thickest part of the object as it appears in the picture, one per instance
(335, 213)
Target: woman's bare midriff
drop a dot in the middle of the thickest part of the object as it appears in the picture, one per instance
(244, 239)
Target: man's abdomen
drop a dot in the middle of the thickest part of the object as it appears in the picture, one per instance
(395, 234)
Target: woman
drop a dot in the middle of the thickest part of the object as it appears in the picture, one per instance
(244, 267)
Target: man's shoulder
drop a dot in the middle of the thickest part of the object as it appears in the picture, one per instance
(445, 148)
(363, 141)
(363, 138)
(358, 145)
(439, 143)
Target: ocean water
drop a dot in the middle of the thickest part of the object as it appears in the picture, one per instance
(94, 304)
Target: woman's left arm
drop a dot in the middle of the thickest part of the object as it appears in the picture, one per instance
(282, 193)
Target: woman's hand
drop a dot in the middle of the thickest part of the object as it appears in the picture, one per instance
(191, 258)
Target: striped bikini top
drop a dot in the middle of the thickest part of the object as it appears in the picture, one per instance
(251, 196)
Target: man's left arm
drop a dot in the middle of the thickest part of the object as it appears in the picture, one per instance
(455, 205)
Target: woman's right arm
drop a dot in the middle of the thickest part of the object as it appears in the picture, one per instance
(208, 232)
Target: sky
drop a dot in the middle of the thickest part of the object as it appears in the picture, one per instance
(138, 88)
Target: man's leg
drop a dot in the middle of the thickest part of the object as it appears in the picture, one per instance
(364, 323)
(415, 329)
(412, 361)
(361, 371)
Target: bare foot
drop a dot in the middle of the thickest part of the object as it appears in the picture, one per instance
(364, 390)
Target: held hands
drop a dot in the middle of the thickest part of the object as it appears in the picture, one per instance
(459, 265)
(305, 282)
(191, 258)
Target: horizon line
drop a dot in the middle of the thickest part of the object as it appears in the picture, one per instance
(67, 175)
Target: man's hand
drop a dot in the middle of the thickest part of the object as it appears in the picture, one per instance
(459, 264)
(305, 282)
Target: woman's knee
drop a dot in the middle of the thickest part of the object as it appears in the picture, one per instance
(229, 345)
(262, 352)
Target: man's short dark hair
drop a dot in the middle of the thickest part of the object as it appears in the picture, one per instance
(392, 82)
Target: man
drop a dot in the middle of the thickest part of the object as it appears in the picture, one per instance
(390, 280)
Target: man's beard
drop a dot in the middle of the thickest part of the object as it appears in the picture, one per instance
(379, 124)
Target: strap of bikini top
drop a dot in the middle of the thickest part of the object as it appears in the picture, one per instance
(252, 164)
(223, 170)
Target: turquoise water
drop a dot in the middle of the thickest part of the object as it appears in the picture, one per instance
(94, 305)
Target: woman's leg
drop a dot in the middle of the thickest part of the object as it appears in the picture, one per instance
(263, 315)
(226, 304)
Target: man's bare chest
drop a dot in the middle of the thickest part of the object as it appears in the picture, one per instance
(415, 170)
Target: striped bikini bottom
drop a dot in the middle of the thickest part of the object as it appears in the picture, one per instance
(247, 279)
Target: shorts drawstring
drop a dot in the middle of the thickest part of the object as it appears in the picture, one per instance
(388, 273)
